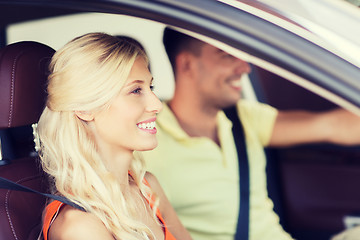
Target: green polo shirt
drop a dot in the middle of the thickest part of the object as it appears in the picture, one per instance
(201, 179)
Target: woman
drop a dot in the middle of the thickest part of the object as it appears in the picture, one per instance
(100, 111)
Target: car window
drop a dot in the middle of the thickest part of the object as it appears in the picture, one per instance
(57, 31)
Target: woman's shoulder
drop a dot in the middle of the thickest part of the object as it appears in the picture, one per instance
(74, 224)
(150, 178)
(153, 182)
(168, 213)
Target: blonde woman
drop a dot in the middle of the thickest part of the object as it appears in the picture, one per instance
(99, 113)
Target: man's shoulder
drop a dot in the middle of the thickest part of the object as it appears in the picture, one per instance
(251, 107)
(245, 103)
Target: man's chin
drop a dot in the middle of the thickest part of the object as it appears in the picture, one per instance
(230, 104)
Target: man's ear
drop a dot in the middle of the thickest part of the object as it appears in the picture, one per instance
(85, 115)
(184, 62)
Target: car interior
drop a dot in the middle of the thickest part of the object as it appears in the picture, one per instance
(23, 74)
(313, 186)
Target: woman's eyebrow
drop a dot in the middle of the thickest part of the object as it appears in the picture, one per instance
(135, 82)
(138, 81)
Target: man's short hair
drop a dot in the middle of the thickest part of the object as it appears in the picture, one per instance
(176, 42)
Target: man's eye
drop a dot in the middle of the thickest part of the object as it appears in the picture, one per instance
(228, 56)
(152, 87)
(136, 91)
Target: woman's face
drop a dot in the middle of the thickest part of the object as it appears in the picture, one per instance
(129, 123)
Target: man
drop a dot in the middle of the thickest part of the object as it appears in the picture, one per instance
(196, 159)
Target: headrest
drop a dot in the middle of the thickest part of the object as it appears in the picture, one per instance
(23, 77)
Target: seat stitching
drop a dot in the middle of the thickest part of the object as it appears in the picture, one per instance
(12, 88)
(8, 214)
(7, 205)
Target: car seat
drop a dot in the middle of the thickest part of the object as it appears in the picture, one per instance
(23, 74)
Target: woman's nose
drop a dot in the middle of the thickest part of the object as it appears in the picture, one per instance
(154, 104)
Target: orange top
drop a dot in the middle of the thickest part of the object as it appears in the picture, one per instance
(53, 209)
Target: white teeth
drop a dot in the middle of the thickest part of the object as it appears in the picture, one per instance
(236, 83)
(150, 125)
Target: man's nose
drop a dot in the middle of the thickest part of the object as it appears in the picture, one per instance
(242, 67)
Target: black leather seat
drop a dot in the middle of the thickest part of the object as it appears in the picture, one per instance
(23, 74)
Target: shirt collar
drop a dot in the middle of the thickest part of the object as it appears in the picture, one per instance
(168, 122)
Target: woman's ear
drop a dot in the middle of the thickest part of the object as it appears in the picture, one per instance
(85, 115)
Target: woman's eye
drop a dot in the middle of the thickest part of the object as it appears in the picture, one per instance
(136, 91)
(152, 87)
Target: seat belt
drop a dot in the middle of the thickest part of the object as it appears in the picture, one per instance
(7, 184)
(242, 231)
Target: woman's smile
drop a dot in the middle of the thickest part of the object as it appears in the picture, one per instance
(148, 126)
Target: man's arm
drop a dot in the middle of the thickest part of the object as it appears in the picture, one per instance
(296, 127)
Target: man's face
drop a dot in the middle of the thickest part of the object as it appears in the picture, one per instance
(219, 76)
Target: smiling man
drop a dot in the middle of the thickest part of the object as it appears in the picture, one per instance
(196, 160)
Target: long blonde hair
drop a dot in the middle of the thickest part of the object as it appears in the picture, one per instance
(85, 75)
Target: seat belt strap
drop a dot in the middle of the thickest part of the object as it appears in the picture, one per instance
(242, 231)
(7, 184)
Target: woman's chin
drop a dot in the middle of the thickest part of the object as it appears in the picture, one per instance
(149, 147)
